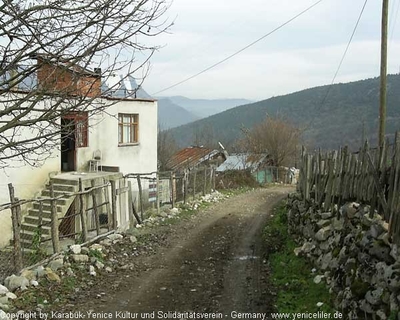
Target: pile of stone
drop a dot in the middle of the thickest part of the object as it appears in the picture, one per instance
(166, 212)
(353, 255)
(88, 258)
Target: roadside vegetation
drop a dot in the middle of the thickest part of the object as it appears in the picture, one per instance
(291, 275)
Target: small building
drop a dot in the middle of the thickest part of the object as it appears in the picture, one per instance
(259, 165)
(244, 161)
(194, 157)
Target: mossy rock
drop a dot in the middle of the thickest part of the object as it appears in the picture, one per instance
(335, 252)
(359, 288)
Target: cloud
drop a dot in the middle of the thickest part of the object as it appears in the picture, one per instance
(302, 54)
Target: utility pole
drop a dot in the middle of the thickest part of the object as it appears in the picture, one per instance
(382, 104)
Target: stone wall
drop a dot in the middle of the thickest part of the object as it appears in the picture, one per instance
(353, 255)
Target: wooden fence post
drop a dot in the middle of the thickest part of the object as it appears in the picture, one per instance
(184, 184)
(211, 176)
(131, 207)
(392, 199)
(40, 218)
(82, 211)
(95, 208)
(172, 182)
(157, 192)
(114, 204)
(16, 224)
(140, 196)
(108, 206)
(205, 182)
(194, 183)
(214, 178)
(55, 237)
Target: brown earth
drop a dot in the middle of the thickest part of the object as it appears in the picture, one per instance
(213, 262)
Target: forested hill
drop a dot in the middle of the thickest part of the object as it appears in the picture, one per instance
(336, 121)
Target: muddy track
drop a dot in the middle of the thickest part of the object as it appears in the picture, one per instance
(213, 262)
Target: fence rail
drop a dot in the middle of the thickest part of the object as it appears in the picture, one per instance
(370, 176)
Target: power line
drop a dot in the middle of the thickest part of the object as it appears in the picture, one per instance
(338, 68)
(241, 50)
(393, 26)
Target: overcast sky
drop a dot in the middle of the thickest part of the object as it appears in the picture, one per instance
(303, 54)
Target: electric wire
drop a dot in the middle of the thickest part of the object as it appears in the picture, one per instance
(338, 68)
(241, 50)
(393, 26)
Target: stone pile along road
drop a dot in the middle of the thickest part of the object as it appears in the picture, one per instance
(213, 262)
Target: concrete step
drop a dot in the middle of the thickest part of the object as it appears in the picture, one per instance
(59, 202)
(35, 213)
(65, 182)
(35, 220)
(27, 248)
(46, 207)
(28, 235)
(46, 230)
(63, 187)
(46, 193)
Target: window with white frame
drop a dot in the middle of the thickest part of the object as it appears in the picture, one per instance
(128, 128)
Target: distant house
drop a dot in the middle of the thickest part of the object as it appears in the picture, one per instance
(244, 161)
(193, 157)
(119, 138)
(260, 166)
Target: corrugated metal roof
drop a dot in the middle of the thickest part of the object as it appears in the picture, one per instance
(190, 157)
(242, 161)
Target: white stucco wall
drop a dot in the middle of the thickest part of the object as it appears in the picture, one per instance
(103, 136)
(27, 180)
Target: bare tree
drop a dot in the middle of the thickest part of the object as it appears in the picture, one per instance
(47, 48)
(274, 136)
(166, 148)
(204, 136)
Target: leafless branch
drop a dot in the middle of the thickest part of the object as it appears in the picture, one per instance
(37, 41)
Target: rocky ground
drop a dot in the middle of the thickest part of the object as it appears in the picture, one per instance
(214, 260)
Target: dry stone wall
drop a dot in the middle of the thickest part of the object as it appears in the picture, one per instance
(353, 255)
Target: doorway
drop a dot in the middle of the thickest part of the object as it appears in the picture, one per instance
(68, 145)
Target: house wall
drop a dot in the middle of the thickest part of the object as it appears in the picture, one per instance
(103, 136)
(27, 180)
(58, 78)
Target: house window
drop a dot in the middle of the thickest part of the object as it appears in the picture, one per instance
(128, 128)
(75, 126)
(81, 133)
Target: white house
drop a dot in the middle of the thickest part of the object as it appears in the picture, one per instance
(123, 137)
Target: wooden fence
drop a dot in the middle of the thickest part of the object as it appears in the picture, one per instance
(182, 186)
(82, 210)
(93, 213)
(369, 176)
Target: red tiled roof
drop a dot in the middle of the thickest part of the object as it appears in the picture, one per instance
(190, 157)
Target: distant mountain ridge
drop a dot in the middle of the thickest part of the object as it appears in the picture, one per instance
(206, 107)
(347, 109)
(171, 115)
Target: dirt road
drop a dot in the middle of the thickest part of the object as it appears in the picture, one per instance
(213, 262)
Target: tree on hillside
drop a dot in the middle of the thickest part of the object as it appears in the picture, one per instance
(166, 148)
(106, 36)
(274, 136)
(204, 136)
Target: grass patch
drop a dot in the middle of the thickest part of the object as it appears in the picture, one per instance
(292, 275)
